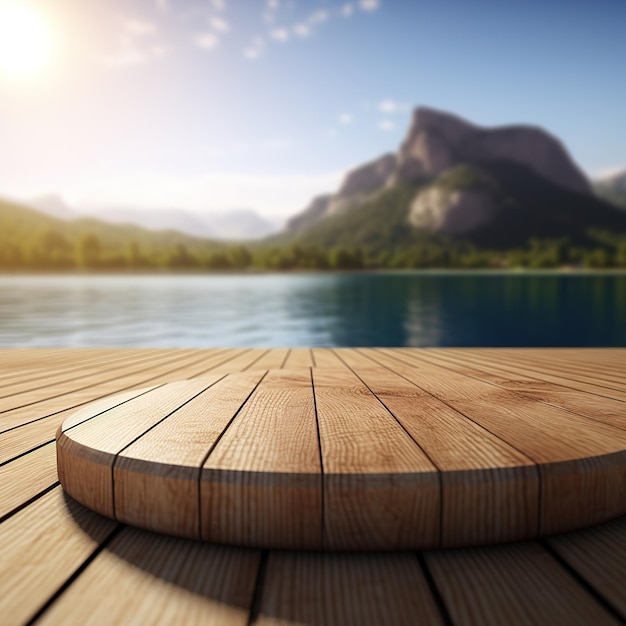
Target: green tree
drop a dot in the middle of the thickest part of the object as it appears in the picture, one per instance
(240, 257)
(89, 250)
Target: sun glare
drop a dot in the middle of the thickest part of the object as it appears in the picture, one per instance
(26, 43)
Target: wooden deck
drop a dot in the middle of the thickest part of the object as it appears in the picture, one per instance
(63, 564)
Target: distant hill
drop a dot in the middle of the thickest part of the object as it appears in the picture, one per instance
(612, 189)
(234, 225)
(31, 238)
(451, 180)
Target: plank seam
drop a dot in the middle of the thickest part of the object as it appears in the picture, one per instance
(28, 502)
(285, 359)
(525, 394)
(176, 369)
(259, 585)
(247, 367)
(130, 443)
(432, 586)
(21, 454)
(312, 357)
(208, 454)
(583, 582)
(535, 464)
(77, 572)
(437, 468)
(319, 445)
(111, 369)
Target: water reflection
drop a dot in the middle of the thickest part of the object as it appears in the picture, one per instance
(403, 309)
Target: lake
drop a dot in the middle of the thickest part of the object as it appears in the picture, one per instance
(377, 309)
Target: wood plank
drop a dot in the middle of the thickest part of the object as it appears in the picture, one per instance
(41, 547)
(124, 379)
(142, 578)
(580, 383)
(86, 453)
(261, 485)
(272, 360)
(580, 460)
(156, 477)
(299, 358)
(489, 490)
(325, 357)
(516, 584)
(360, 439)
(599, 556)
(26, 477)
(329, 589)
(605, 410)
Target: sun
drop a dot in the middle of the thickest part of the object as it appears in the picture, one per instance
(26, 44)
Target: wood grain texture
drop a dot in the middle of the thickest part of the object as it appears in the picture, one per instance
(41, 551)
(599, 556)
(142, 578)
(339, 589)
(582, 462)
(262, 485)
(515, 584)
(156, 477)
(489, 490)
(380, 490)
(53, 536)
(86, 452)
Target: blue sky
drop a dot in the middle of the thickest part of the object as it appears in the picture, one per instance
(217, 104)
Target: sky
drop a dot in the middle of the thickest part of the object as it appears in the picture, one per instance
(210, 105)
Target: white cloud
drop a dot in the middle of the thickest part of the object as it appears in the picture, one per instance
(279, 34)
(161, 51)
(252, 53)
(346, 118)
(318, 17)
(386, 125)
(162, 5)
(347, 10)
(369, 5)
(125, 58)
(206, 41)
(391, 106)
(272, 5)
(139, 27)
(302, 30)
(219, 24)
(220, 5)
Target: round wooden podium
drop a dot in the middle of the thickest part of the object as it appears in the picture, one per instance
(340, 459)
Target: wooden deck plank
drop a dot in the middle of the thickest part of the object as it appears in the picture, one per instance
(299, 358)
(325, 357)
(489, 490)
(599, 556)
(559, 442)
(86, 453)
(605, 410)
(515, 584)
(167, 459)
(124, 379)
(142, 578)
(27, 476)
(339, 589)
(268, 459)
(581, 383)
(41, 547)
(274, 359)
(61, 387)
(359, 438)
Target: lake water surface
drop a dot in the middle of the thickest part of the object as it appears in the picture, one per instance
(272, 310)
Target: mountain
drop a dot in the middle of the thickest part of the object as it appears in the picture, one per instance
(53, 206)
(493, 187)
(234, 225)
(238, 224)
(612, 189)
(30, 238)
